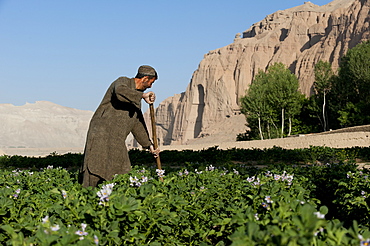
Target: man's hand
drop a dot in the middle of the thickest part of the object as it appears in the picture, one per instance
(149, 97)
(155, 152)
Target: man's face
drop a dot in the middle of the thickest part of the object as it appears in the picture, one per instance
(147, 83)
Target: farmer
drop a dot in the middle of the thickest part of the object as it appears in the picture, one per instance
(118, 114)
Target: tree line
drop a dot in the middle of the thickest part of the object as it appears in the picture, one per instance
(275, 108)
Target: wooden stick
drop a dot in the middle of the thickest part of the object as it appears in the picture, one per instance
(154, 134)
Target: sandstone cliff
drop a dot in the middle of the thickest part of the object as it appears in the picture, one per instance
(298, 37)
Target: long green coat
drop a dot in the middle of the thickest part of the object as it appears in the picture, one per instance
(118, 114)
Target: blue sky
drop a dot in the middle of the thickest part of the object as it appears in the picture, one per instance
(69, 51)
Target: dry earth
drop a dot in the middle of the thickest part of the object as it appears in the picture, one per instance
(337, 140)
(343, 138)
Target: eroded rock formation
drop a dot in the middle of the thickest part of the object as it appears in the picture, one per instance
(298, 37)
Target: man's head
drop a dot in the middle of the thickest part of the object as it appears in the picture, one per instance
(146, 70)
(145, 77)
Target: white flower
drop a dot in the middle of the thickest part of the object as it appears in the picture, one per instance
(251, 179)
(363, 194)
(268, 199)
(320, 230)
(81, 233)
(134, 181)
(141, 171)
(110, 186)
(319, 215)
(45, 219)
(144, 179)
(17, 191)
(289, 178)
(265, 205)
(83, 226)
(64, 193)
(96, 240)
(277, 177)
(160, 172)
(105, 192)
(364, 242)
(210, 168)
(55, 227)
(257, 182)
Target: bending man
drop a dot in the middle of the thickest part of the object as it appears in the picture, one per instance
(118, 114)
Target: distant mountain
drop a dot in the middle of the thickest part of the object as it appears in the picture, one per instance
(42, 125)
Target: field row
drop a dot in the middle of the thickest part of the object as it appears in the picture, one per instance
(198, 204)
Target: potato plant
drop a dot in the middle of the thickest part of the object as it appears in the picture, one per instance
(208, 205)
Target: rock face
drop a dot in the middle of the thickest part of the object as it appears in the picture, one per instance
(298, 37)
(42, 125)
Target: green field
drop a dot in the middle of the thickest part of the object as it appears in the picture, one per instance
(315, 196)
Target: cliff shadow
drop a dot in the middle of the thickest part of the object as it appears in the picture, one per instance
(314, 39)
(283, 34)
(200, 110)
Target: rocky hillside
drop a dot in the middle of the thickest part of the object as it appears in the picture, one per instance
(298, 37)
(42, 125)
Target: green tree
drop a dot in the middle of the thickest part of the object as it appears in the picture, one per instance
(309, 120)
(283, 93)
(271, 94)
(355, 68)
(322, 85)
(254, 105)
(350, 93)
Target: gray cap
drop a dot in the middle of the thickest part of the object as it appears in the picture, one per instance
(147, 71)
